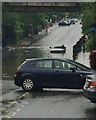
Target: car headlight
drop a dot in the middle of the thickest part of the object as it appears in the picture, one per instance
(89, 80)
(90, 77)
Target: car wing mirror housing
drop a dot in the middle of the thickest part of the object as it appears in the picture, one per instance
(73, 69)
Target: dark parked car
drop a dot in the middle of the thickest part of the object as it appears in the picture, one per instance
(89, 89)
(40, 73)
(63, 23)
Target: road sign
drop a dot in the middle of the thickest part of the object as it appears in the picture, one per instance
(93, 27)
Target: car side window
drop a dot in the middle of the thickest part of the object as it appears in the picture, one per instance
(78, 69)
(42, 64)
(58, 64)
(63, 65)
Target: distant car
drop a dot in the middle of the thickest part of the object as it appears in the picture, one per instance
(75, 20)
(89, 89)
(63, 23)
(72, 22)
(41, 73)
(58, 49)
(60, 46)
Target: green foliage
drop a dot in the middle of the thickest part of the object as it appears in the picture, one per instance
(15, 25)
(89, 17)
(89, 44)
(12, 26)
(74, 15)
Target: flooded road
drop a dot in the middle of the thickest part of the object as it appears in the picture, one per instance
(14, 58)
(67, 36)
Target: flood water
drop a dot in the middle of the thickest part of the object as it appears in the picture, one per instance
(12, 58)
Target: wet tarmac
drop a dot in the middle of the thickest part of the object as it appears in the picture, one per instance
(50, 103)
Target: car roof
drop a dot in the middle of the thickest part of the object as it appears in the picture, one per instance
(32, 59)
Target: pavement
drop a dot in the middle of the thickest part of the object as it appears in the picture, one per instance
(35, 38)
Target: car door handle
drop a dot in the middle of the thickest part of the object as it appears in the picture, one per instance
(81, 75)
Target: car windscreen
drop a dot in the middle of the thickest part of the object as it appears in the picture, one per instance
(81, 65)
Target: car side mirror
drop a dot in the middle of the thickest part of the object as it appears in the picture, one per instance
(73, 69)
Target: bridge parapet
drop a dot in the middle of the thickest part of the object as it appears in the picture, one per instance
(44, 7)
(43, 3)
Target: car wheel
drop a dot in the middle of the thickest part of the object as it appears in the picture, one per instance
(28, 84)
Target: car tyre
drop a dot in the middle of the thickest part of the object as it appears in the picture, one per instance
(28, 84)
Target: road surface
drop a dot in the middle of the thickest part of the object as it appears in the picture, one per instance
(66, 35)
(50, 103)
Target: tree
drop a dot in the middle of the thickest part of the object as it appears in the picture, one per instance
(89, 18)
(15, 25)
(11, 26)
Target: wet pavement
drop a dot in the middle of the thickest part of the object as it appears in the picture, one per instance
(50, 103)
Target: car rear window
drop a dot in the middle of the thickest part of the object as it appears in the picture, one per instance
(23, 65)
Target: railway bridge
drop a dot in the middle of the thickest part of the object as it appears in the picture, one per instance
(44, 7)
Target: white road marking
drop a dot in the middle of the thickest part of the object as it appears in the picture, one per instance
(13, 114)
(18, 110)
(9, 115)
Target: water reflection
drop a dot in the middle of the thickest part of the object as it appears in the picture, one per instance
(12, 59)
